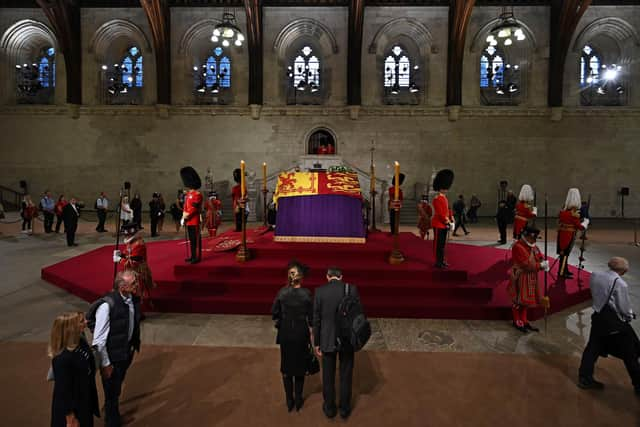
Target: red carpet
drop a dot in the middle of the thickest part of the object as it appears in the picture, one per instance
(474, 287)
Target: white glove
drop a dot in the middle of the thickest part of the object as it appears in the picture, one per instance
(544, 265)
(182, 222)
(534, 210)
(585, 223)
(452, 225)
(116, 256)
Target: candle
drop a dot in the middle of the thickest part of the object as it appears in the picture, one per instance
(264, 175)
(243, 189)
(397, 181)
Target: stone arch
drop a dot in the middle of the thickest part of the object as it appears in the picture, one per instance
(199, 30)
(408, 27)
(479, 39)
(317, 128)
(112, 30)
(24, 36)
(304, 27)
(620, 31)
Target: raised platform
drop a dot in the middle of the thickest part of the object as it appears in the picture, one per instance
(474, 287)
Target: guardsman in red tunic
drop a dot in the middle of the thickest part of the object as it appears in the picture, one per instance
(569, 223)
(191, 211)
(525, 211)
(135, 258)
(213, 209)
(425, 212)
(236, 197)
(392, 202)
(523, 285)
(442, 220)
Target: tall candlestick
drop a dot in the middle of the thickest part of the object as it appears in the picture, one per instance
(243, 189)
(373, 177)
(264, 175)
(397, 181)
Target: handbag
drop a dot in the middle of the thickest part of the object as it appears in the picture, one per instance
(607, 319)
(313, 365)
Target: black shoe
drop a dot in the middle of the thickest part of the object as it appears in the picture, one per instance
(194, 261)
(439, 265)
(502, 242)
(290, 405)
(188, 259)
(328, 413)
(529, 327)
(445, 263)
(590, 383)
(299, 404)
(467, 232)
(344, 413)
(520, 328)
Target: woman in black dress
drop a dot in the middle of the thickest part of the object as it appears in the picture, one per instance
(75, 398)
(292, 311)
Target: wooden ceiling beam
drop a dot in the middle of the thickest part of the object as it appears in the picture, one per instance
(565, 15)
(459, 16)
(354, 52)
(64, 16)
(159, 17)
(253, 11)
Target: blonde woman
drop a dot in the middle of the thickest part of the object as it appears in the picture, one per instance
(75, 398)
(126, 213)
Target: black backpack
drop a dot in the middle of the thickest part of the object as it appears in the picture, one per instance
(93, 308)
(351, 323)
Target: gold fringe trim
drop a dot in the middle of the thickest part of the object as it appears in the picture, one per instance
(319, 239)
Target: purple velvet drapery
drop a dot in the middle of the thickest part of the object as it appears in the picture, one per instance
(320, 216)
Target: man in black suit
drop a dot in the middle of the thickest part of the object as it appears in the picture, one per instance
(327, 300)
(70, 216)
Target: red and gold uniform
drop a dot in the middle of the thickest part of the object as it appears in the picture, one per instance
(213, 209)
(442, 217)
(524, 213)
(135, 258)
(523, 284)
(425, 212)
(192, 206)
(569, 223)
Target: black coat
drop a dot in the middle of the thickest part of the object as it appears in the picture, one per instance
(292, 310)
(70, 216)
(325, 305)
(74, 387)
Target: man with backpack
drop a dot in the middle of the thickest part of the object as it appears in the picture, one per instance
(339, 329)
(115, 322)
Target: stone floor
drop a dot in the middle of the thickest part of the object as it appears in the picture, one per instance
(28, 304)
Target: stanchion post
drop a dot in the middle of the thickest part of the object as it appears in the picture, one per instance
(243, 253)
(396, 256)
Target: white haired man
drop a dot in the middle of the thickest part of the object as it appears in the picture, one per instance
(611, 332)
(569, 223)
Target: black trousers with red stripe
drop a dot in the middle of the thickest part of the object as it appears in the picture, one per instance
(439, 241)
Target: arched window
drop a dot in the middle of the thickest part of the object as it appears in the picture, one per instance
(321, 142)
(491, 68)
(132, 72)
(400, 74)
(499, 79)
(47, 68)
(304, 72)
(589, 66)
(397, 69)
(600, 83)
(213, 75)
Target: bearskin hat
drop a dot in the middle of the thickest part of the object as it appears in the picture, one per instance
(236, 175)
(129, 231)
(443, 180)
(190, 178)
(393, 180)
(530, 231)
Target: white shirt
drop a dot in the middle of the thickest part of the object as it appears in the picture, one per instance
(102, 203)
(103, 326)
(600, 284)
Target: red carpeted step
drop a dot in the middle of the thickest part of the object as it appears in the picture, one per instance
(475, 287)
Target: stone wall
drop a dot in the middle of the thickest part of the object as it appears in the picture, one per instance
(594, 149)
